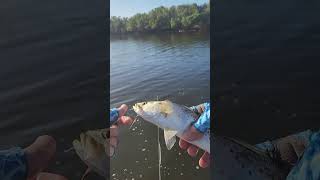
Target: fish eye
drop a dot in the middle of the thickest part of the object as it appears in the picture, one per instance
(144, 103)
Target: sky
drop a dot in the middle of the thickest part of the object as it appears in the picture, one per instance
(128, 8)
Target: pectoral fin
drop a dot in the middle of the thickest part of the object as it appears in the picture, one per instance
(170, 138)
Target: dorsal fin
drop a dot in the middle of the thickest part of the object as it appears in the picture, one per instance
(248, 147)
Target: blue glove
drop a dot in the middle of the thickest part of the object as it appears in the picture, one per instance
(14, 164)
(114, 115)
(308, 167)
(203, 123)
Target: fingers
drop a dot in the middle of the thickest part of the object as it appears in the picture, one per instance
(191, 134)
(114, 131)
(39, 154)
(204, 161)
(111, 151)
(126, 120)
(113, 141)
(122, 110)
(50, 176)
(200, 108)
(183, 144)
(192, 151)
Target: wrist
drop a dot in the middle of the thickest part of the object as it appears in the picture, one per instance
(203, 123)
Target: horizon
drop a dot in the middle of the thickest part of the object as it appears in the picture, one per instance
(134, 6)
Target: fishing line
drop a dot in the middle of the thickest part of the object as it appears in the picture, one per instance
(159, 150)
(159, 153)
(69, 149)
(134, 121)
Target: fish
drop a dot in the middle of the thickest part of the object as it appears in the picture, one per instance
(92, 149)
(235, 159)
(232, 159)
(173, 118)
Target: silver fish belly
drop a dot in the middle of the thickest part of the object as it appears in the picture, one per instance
(232, 159)
(172, 118)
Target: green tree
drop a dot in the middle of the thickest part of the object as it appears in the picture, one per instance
(182, 17)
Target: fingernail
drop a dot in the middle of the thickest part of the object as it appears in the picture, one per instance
(111, 152)
(124, 107)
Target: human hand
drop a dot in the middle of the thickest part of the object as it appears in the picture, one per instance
(114, 129)
(50, 176)
(288, 149)
(38, 156)
(195, 132)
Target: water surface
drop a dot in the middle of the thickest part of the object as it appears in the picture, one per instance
(52, 74)
(149, 67)
(267, 68)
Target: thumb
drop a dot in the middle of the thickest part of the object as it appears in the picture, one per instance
(191, 134)
(122, 110)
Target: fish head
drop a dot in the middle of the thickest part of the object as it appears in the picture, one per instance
(163, 114)
(92, 150)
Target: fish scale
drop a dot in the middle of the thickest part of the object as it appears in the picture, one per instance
(233, 159)
(173, 119)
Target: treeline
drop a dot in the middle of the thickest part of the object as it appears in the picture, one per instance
(175, 18)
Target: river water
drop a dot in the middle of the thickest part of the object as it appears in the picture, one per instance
(53, 74)
(53, 78)
(150, 67)
(266, 69)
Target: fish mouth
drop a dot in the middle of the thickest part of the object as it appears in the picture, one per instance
(138, 108)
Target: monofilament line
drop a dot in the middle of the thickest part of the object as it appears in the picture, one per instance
(159, 152)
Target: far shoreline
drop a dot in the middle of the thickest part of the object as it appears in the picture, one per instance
(162, 31)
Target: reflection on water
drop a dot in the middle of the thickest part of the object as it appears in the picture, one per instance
(150, 67)
(52, 74)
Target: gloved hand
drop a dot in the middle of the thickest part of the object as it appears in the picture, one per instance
(288, 149)
(308, 165)
(299, 152)
(117, 118)
(196, 131)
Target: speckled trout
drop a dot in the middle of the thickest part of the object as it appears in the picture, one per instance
(173, 119)
(92, 148)
(232, 159)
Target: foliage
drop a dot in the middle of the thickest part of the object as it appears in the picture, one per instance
(174, 18)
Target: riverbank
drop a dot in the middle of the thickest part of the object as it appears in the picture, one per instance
(163, 31)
